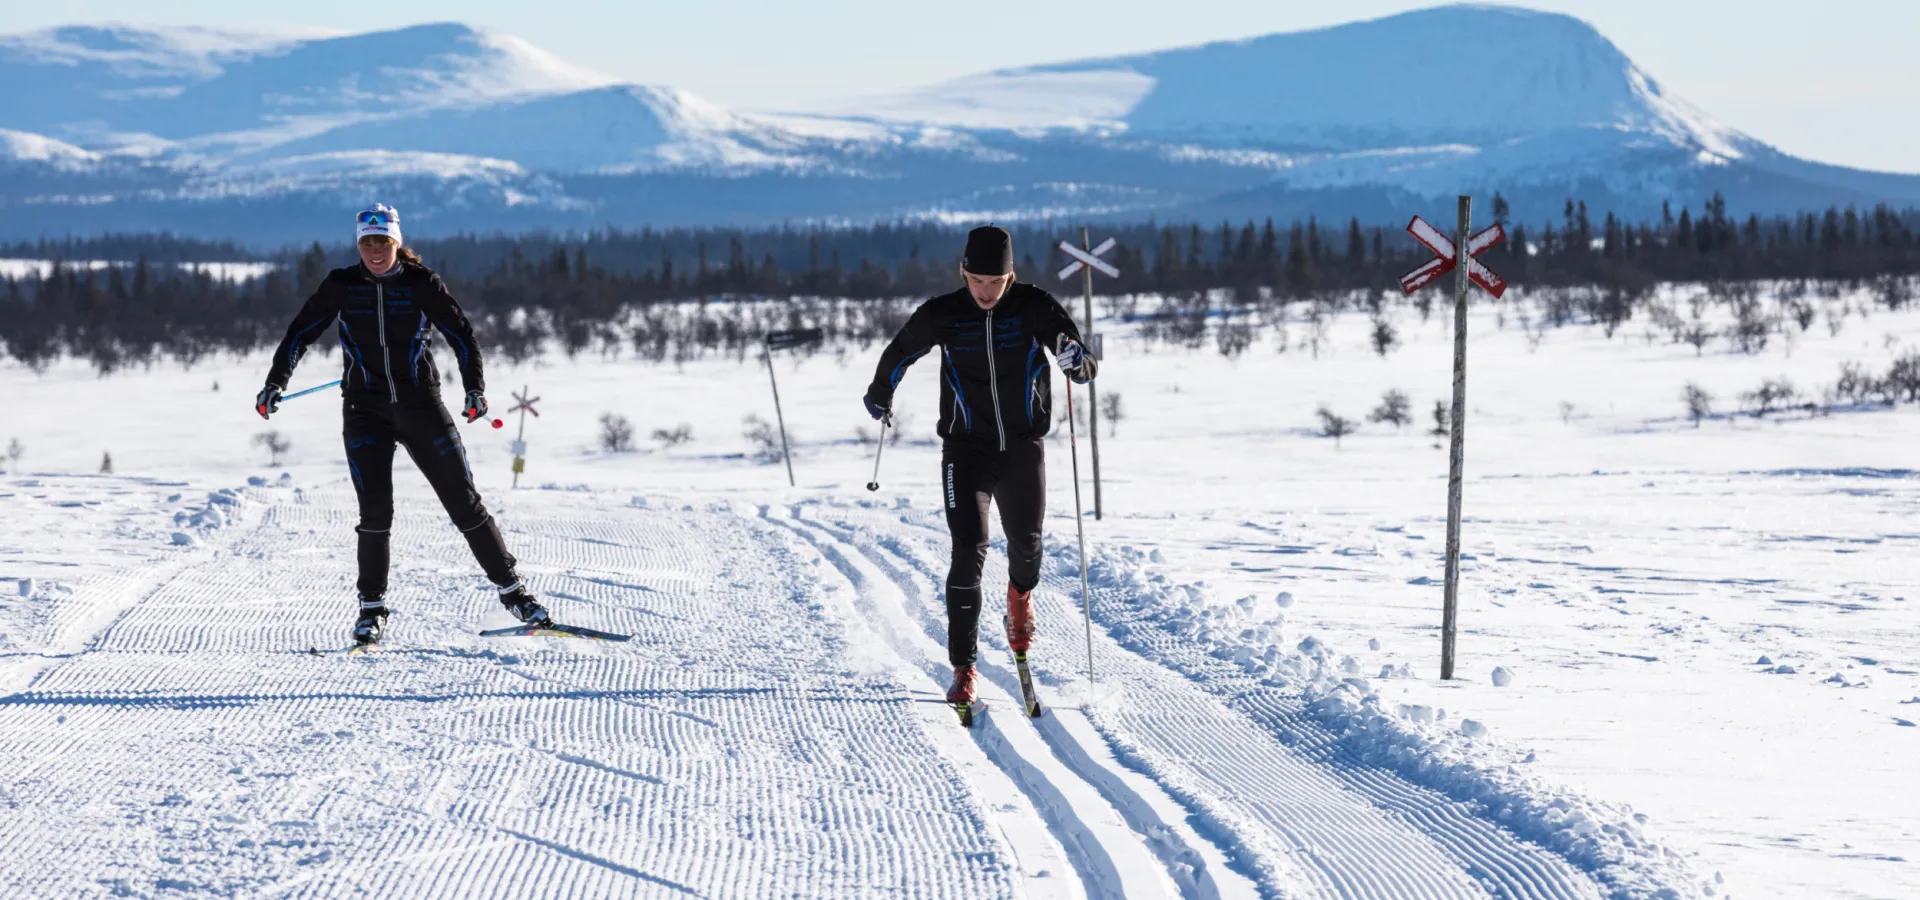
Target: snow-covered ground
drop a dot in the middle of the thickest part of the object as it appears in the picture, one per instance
(1688, 663)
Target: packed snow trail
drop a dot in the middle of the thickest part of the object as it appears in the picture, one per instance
(738, 747)
(1300, 817)
(776, 727)
(1088, 805)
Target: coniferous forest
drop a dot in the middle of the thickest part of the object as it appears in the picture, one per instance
(683, 294)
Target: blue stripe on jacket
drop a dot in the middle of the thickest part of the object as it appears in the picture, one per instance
(901, 369)
(960, 395)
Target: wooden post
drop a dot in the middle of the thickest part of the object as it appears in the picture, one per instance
(1093, 398)
(1456, 471)
(519, 462)
(779, 416)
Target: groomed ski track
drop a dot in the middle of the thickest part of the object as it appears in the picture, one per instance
(775, 728)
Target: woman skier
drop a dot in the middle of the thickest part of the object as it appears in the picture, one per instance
(995, 409)
(391, 392)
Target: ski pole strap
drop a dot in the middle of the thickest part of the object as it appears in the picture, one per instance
(322, 387)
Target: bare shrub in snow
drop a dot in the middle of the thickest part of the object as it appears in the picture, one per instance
(1902, 381)
(680, 434)
(1442, 423)
(1395, 409)
(1772, 395)
(1855, 385)
(1696, 334)
(1111, 411)
(1234, 338)
(616, 433)
(1751, 328)
(1317, 326)
(1333, 425)
(762, 438)
(1383, 336)
(276, 444)
(1893, 291)
(1699, 403)
(1800, 311)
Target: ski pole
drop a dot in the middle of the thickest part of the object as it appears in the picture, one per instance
(885, 420)
(1080, 524)
(322, 387)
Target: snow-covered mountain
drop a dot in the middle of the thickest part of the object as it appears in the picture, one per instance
(265, 136)
(1357, 87)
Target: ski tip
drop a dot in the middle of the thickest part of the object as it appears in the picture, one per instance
(345, 651)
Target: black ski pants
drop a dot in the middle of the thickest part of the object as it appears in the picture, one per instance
(373, 426)
(973, 478)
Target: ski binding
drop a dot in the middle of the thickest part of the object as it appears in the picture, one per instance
(1027, 694)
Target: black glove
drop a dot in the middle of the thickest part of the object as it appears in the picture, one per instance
(476, 406)
(1074, 360)
(879, 412)
(267, 402)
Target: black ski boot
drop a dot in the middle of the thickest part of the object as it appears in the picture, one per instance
(372, 624)
(523, 607)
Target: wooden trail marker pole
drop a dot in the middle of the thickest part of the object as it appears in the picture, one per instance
(1448, 255)
(1086, 260)
(523, 405)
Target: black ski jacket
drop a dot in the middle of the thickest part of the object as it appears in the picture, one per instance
(384, 329)
(987, 397)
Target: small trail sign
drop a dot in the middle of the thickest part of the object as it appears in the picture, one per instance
(787, 340)
(1445, 259)
(1085, 258)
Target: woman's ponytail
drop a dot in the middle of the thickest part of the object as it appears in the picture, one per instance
(408, 256)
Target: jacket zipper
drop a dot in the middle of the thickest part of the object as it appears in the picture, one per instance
(993, 383)
(380, 310)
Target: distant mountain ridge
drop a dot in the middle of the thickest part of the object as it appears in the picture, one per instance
(265, 137)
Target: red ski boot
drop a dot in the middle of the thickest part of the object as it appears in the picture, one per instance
(962, 696)
(1020, 637)
(1019, 621)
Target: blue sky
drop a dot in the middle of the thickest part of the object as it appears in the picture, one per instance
(1837, 81)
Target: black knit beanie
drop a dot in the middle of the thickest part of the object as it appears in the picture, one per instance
(989, 251)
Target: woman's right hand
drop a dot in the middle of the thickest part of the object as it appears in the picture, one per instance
(268, 401)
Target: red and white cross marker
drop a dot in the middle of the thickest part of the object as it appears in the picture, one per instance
(525, 403)
(1084, 259)
(1442, 247)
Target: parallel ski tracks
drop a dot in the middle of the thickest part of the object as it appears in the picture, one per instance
(1297, 814)
(1123, 836)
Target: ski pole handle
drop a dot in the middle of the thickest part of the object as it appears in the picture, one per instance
(874, 485)
(322, 387)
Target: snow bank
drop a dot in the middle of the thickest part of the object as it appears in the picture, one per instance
(1225, 643)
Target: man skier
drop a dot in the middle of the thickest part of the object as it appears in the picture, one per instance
(995, 409)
